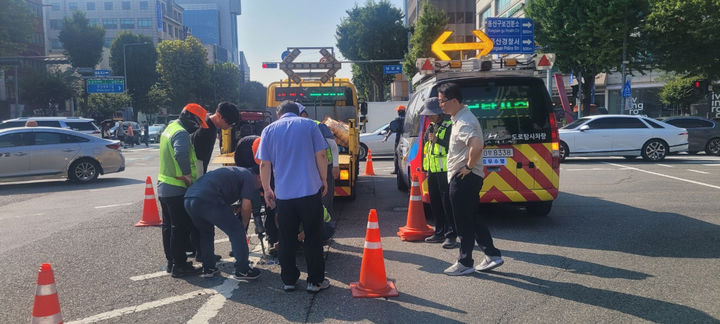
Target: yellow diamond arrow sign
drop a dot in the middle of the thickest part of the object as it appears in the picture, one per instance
(439, 47)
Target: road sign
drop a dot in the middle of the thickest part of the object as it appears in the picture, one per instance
(106, 85)
(627, 90)
(544, 61)
(439, 47)
(425, 65)
(511, 35)
(102, 72)
(329, 63)
(392, 69)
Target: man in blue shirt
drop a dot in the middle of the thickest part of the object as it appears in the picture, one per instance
(294, 149)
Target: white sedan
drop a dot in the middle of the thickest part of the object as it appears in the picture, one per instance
(621, 135)
(374, 142)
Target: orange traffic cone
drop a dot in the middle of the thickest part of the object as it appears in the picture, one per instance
(369, 171)
(150, 216)
(46, 308)
(416, 228)
(373, 282)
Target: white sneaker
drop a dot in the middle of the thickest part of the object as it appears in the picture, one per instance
(325, 284)
(489, 263)
(458, 269)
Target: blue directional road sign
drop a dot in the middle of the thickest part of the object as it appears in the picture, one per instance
(627, 90)
(392, 69)
(511, 35)
(102, 72)
(106, 85)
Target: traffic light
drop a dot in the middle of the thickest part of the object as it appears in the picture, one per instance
(700, 86)
(269, 65)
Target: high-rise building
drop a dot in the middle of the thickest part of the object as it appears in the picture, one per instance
(460, 13)
(214, 22)
(244, 67)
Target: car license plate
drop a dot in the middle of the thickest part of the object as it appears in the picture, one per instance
(497, 153)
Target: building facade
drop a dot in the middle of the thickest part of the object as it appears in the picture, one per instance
(159, 19)
(461, 19)
(214, 22)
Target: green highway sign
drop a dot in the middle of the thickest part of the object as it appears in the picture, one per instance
(106, 85)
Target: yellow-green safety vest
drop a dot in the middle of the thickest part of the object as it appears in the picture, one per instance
(328, 152)
(169, 168)
(435, 155)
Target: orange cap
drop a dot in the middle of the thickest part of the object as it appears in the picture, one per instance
(255, 145)
(400, 107)
(199, 111)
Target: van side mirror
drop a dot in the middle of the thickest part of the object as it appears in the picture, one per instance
(363, 108)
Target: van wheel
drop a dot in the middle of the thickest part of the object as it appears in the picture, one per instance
(713, 146)
(654, 150)
(564, 151)
(83, 171)
(362, 152)
(539, 209)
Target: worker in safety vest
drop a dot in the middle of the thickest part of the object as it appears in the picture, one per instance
(178, 170)
(333, 163)
(436, 139)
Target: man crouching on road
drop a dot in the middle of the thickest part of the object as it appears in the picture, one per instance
(294, 149)
(465, 175)
(209, 203)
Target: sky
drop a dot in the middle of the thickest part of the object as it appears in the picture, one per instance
(266, 28)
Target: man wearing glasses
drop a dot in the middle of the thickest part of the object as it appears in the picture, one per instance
(226, 116)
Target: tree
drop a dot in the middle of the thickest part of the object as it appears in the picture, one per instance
(684, 36)
(226, 79)
(430, 25)
(40, 89)
(184, 72)
(141, 61)
(373, 32)
(679, 92)
(103, 105)
(82, 42)
(16, 27)
(588, 35)
(252, 96)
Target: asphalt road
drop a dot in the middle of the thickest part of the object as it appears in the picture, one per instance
(625, 241)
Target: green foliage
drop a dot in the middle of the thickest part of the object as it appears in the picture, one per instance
(82, 42)
(16, 27)
(141, 61)
(184, 72)
(226, 79)
(587, 35)
(430, 25)
(103, 105)
(684, 36)
(372, 32)
(679, 92)
(157, 98)
(252, 96)
(39, 89)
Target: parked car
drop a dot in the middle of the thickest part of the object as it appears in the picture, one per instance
(703, 134)
(29, 153)
(83, 125)
(137, 132)
(374, 142)
(155, 131)
(621, 135)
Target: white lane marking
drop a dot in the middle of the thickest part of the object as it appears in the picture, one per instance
(596, 169)
(222, 240)
(698, 171)
(143, 307)
(149, 276)
(667, 176)
(115, 205)
(664, 165)
(211, 307)
(711, 164)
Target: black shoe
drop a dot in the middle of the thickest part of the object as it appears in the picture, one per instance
(434, 238)
(169, 267)
(217, 258)
(209, 272)
(251, 274)
(187, 270)
(450, 243)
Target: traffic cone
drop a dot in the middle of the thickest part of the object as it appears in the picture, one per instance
(373, 282)
(46, 308)
(416, 228)
(368, 164)
(150, 216)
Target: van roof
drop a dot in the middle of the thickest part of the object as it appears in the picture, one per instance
(467, 75)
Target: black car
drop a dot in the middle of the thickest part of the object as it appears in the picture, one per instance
(703, 134)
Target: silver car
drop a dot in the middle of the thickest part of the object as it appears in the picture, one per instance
(30, 153)
(374, 142)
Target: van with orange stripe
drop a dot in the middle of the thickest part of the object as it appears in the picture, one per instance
(521, 156)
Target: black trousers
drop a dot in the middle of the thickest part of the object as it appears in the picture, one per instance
(291, 213)
(176, 229)
(468, 221)
(440, 206)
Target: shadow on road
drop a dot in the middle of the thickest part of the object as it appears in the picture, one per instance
(63, 185)
(576, 266)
